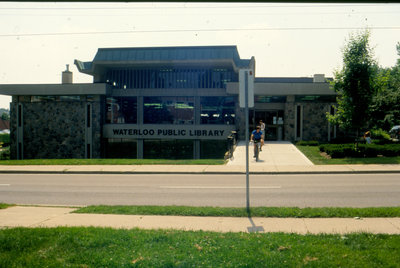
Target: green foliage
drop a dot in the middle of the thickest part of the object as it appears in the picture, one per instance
(279, 212)
(105, 247)
(5, 138)
(5, 154)
(3, 206)
(354, 83)
(362, 150)
(385, 107)
(5, 116)
(307, 143)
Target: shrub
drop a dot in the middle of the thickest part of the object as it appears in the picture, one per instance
(390, 150)
(363, 150)
(342, 140)
(307, 143)
(5, 139)
(5, 154)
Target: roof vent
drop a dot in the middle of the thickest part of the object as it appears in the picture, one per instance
(66, 77)
(319, 78)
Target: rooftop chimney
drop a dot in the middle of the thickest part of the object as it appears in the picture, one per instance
(66, 77)
(319, 78)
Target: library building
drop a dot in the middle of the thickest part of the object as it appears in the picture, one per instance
(162, 102)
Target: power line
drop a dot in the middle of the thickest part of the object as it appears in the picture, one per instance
(185, 6)
(207, 30)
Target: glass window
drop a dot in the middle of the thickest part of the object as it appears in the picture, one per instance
(269, 99)
(122, 110)
(121, 148)
(168, 110)
(69, 98)
(168, 149)
(316, 98)
(213, 149)
(217, 110)
(170, 78)
(42, 98)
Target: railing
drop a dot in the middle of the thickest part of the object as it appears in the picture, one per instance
(232, 142)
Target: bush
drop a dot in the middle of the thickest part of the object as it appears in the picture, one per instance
(363, 150)
(390, 150)
(342, 140)
(380, 134)
(5, 139)
(5, 154)
(307, 143)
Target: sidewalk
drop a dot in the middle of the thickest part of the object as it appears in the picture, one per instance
(276, 158)
(54, 216)
(200, 169)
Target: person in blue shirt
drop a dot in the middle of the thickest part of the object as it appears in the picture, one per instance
(257, 136)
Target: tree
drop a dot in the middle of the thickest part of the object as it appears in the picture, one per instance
(354, 84)
(5, 116)
(385, 107)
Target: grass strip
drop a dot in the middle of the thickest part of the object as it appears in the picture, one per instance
(313, 153)
(106, 247)
(113, 162)
(280, 212)
(3, 206)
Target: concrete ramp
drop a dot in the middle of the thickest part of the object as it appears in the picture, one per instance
(274, 153)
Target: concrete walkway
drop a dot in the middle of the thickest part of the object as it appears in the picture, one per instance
(274, 154)
(54, 216)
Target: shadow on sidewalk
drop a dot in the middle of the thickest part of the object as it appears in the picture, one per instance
(253, 228)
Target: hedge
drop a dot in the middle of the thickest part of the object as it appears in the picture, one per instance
(363, 150)
(307, 143)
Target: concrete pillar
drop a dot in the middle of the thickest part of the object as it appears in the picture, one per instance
(140, 146)
(196, 149)
(140, 143)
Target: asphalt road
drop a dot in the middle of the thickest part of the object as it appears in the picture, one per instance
(338, 190)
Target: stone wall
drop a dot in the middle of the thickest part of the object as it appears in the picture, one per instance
(289, 119)
(315, 123)
(56, 129)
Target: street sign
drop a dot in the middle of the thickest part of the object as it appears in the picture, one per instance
(242, 87)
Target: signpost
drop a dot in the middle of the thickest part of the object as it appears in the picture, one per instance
(246, 100)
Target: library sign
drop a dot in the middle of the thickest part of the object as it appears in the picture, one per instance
(129, 131)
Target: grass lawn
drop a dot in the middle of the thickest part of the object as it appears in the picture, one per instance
(105, 247)
(113, 162)
(3, 206)
(313, 153)
(280, 212)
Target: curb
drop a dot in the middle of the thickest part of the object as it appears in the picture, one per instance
(202, 172)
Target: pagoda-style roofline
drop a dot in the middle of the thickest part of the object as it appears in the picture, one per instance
(165, 56)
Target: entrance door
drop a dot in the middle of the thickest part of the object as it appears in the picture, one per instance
(272, 123)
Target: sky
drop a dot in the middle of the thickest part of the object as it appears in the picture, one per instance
(37, 40)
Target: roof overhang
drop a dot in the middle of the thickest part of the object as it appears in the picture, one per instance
(55, 89)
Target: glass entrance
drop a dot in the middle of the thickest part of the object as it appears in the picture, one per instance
(273, 120)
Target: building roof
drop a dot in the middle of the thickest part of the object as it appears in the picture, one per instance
(284, 80)
(134, 55)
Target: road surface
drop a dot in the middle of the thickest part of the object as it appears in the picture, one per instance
(336, 190)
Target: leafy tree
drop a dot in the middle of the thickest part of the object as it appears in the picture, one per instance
(354, 84)
(385, 107)
(5, 116)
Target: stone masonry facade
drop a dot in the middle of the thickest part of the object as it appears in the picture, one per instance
(55, 129)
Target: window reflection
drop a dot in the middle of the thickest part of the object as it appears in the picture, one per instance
(168, 110)
(122, 110)
(217, 110)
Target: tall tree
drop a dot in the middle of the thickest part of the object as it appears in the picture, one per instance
(385, 107)
(354, 84)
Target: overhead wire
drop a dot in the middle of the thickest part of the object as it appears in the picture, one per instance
(205, 30)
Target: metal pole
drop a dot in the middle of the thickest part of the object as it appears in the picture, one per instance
(246, 99)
